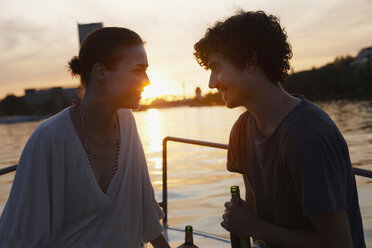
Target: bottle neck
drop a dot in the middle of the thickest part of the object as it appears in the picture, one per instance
(235, 198)
(188, 238)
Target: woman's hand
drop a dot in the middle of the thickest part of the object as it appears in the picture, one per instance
(160, 242)
(239, 219)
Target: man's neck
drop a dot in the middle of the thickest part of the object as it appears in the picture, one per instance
(270, 107)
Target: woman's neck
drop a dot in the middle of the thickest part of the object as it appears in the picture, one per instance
(98, 113)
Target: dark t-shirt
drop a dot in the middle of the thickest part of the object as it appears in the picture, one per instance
(302, 169)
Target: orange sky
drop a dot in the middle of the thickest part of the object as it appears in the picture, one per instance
(38, 37)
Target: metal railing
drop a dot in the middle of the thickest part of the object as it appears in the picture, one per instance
(164, 203)
(8, 169)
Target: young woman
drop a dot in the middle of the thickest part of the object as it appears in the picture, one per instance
(82, 179)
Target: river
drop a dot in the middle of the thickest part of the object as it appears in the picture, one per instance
(198, 183)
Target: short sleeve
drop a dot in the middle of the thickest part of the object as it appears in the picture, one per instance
(322, 166)
(237, 145)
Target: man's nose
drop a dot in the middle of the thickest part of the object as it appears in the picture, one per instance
(213, 82)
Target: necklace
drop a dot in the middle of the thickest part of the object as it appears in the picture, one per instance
(77, 104)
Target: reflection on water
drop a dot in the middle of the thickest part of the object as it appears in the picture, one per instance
(350, 116)
(198, 181)
(354, 119)
(153, 131)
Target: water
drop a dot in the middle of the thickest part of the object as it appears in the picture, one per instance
(198, 183)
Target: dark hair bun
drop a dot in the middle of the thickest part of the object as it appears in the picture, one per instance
(74, 65)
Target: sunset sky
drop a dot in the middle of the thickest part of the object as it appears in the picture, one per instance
(38, 37)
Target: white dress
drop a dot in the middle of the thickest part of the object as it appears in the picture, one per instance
(56, 201)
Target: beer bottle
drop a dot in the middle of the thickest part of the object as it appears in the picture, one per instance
(189, 240)
(236, 241)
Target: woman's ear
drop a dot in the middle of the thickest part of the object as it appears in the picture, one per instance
(98, 71)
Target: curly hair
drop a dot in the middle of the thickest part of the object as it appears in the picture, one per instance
(248, 38)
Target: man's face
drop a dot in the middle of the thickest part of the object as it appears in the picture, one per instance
(235, 84)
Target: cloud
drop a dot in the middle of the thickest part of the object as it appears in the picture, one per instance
(36, 42)
(15, 32)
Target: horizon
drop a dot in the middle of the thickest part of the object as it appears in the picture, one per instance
(38, 42)
(169, 97)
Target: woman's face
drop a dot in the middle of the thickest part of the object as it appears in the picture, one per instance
(125, 84)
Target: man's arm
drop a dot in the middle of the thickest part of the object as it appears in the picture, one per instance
(332, 229)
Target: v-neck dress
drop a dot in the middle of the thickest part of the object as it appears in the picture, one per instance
(56, 201)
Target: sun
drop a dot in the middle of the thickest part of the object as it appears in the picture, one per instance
(158, 86)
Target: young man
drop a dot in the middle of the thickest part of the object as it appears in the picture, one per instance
(292, 156)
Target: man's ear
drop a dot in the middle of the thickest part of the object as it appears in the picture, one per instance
(249, 68)
(98, 71)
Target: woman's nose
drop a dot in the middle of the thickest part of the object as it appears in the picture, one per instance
(145, 80)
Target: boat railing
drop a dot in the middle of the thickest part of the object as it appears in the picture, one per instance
(164, 203)
(8, 169)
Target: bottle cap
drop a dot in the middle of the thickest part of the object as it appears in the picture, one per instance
(234, 189)
(188, 228)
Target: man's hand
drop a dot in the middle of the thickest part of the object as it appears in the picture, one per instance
(332, 229)
(239, 219)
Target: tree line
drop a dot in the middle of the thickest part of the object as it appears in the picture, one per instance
(337, 80)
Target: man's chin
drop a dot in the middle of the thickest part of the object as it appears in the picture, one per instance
(230, 105)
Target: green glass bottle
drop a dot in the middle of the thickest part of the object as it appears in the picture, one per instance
(236, 241)
(189, 240)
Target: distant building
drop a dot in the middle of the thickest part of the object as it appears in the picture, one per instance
(198, 94)
(85, 29)
(197, 101)
(364, 57)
